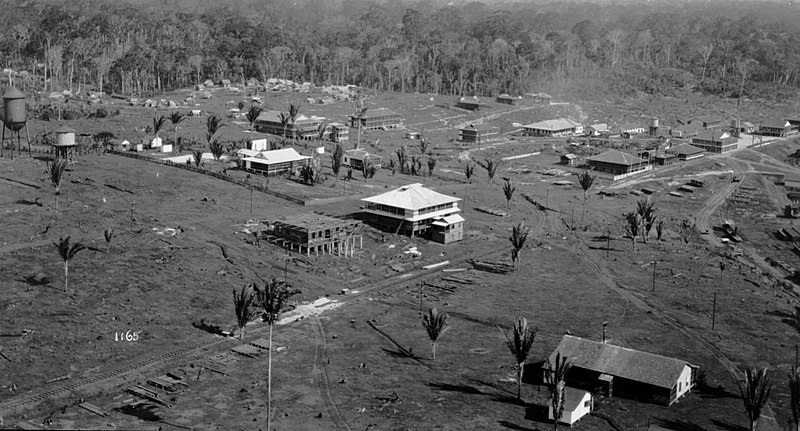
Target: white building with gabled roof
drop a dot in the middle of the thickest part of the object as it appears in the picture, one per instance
(558, 127)
(415, 210)
(272, 162)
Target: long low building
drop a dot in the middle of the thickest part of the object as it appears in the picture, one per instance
(558, 127)
(380, 118)
(617, 164)
(715, 141)
(414, 210)
(278, 123)
(272, 162)
(607, 369)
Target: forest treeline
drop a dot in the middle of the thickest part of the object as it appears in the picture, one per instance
(463, 49)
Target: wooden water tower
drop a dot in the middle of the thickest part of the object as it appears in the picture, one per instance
(64, 146)
(15, 119)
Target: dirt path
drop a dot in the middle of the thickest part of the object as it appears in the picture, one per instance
(320, 373)
(21, 246)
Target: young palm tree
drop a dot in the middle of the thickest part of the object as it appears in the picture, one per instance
(284, 118)
(491, 164)
(632, 225)
(755, 392)
(67, 252)
(242, 305)
(431, 166)
(586, 180)
(360, 109)
(294, 112)
(198, 157)
(158, 124)
(176, 118)
(272, 299)
(469, 171)
(423, 146)
(434, 325)
(647, 215)
(520, 344)
(109, 235)
(794, 391)
(252, 115)
(56, 170)
(519, 235)
(556, 383)
(508, 191)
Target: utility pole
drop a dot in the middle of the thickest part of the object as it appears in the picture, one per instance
(654, 274)
(604, 332)
(714, 312)
(131, 216)
(251, 199)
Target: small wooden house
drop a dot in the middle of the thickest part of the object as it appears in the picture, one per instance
(468, 104)
(507, 99)
(568, 159)
(355, 159)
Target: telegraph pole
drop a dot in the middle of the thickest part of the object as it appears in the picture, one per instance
(654, 274)
(714, 312)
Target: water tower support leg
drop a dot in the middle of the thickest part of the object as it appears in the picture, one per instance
(19, 145)
(28, 136)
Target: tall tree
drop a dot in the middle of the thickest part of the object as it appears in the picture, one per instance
(508, 190)
(519, 235)
(67, 251)
(647, 213)
(272, 299)
(755, 391)
(252, 115)
(490, 164)
(294, 112)
(56, 169)
(520, 344)
(158, 124)
(336, 159)
(434, 321)
(242, 306)
(556, 383)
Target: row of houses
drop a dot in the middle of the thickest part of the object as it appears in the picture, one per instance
(279, 123)
(258, 159)
(619, 165)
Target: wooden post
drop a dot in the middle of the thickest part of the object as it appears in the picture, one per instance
(608, 242)
(654, 275)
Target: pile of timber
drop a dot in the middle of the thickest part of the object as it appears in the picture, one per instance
(492, 211)
(495, 267)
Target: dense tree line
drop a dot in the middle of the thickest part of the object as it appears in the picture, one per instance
(462, 49)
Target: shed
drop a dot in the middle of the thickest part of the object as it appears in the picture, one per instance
(685, 152)
(577, 404)
(274, 162)
(468, 104)
(568, 159)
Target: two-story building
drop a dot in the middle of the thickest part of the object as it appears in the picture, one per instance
(414, 210)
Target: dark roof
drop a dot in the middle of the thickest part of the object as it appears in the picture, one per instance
(713, 135)
(616, 157)
(630, 364)
(480, 127)
(13, 93)
(775, 123)
(707, 119)
(688, 127)
(685, 150)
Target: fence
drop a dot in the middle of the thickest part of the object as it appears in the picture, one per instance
(212, 174)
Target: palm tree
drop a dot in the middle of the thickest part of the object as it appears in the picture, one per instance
(519, 235)
(360, 108)
(431, 166)
(469, 171)
(586, 180)
(158, 124)
(294, 111)
(508, 191)
(176, 118)
(434, 325)
(556, 383)
(794, 390)
(252, 115)
(491, 164)
(272, 299)
(520, 345)
(647, 215)
(67, 252)
(109, 235)
(755, 391)
(213, 124)
(56, 170)
(423, 146)
(633, 223)
(242, 303)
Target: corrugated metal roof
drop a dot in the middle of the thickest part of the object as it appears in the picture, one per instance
(775, 122)
(277, 156)
(448, 220)
(630, 364)
(557, 124)
(411, 197)
(685, 149)
(714, 135)
(617, 157)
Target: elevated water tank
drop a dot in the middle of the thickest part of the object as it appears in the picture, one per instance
(653, 123)
(14, 107)
(65, 136)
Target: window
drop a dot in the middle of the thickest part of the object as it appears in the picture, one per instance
(586, 403)
(680, 386)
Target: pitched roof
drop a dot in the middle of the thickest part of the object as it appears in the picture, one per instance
(573, 398)
(685, 149)
(630, 364)
(775, 122)
(602, 127)
(688, 127)
(479, 127)
(558, 124)
(411, 197)
(377, 112)
(707, 119)
(714, 135)
(630, 126)
(616, 157)
(448, 220)
(569, 156)
(278, 156)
